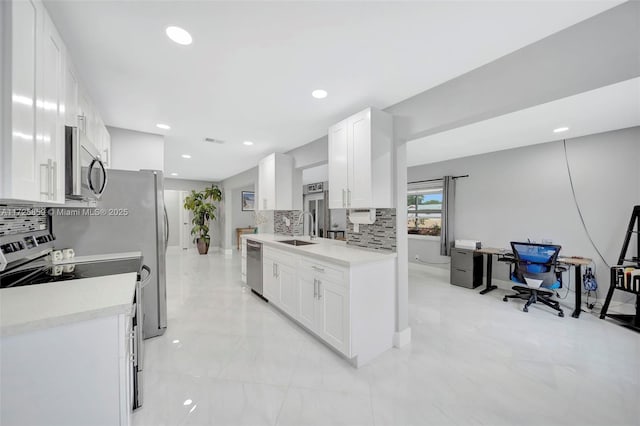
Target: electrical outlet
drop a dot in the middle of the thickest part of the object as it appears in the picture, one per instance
(417, 257)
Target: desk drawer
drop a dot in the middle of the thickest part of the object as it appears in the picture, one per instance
(461, 277)
(462, 258)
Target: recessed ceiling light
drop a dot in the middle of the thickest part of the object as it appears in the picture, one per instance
(560, 129)
(186, 156)
(163, 126)
(319, 94)
(179, 35)
(248, 143)
(187, 402)
(174, 174)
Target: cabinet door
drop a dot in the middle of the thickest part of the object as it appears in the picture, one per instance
(289, 290)
(71, 94)
(333, 299)
(360, 182)
(338, 166)
(51, 124)
(270, 282)
(25, 172)
(309, 308)
(266, 183)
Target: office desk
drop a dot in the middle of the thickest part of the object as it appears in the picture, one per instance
(335, 233)
(576, 262)
(240, 231)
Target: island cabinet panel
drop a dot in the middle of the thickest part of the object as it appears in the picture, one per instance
(350, 308)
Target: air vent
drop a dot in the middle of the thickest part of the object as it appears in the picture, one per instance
(212, 140)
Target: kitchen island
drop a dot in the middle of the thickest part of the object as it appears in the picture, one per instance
(344, 296)
(66, 351)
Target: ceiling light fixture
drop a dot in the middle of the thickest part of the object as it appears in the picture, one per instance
(319, 94)
(187, 402)
(186, 156)
(179, 35)
(248, 143)
(163, 126)
(174, 174)
(560, 129)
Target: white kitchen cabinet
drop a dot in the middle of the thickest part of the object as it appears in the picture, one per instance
(333, 321)
(74, 374)
(32, 155)
(289, 289)
(361, 161)
(243, 261)
(275, 183)
(279, 280)
(309, 310)
(270, 281)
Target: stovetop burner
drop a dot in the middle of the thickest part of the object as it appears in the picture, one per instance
(40, 272)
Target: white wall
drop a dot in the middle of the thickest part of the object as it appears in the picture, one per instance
(239, 218)
(132, 150)
(525, 193)
(172, 188)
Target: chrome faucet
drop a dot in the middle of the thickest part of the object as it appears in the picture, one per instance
(312, 231)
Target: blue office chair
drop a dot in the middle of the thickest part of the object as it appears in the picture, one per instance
(536, 266)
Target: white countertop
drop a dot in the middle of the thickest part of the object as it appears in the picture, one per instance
(330, 250)
(34, 307)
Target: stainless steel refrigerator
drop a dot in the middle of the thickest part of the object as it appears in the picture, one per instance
(130, 216)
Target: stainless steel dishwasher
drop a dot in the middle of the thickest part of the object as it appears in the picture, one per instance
(254, 266)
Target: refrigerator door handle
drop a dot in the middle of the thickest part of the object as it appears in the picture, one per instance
(166, 227)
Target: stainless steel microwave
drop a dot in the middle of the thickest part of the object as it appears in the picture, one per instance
(85, 174)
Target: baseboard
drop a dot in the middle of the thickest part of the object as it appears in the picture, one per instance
(228, 252)
(402, 338)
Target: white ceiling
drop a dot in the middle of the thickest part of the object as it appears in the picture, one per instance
(252, 66)
(608, 108)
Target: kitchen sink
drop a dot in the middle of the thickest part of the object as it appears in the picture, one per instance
(296, 242)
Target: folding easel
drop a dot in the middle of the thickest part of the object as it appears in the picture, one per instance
(625, 277)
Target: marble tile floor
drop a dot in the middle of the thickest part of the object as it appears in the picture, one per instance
(228, 358)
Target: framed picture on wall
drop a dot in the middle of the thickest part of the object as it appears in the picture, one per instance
(248, 201)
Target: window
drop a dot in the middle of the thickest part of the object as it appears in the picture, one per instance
(424, 209)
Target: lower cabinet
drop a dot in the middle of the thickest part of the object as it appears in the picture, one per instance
(349, 308)
(289, 290)
(333, 321)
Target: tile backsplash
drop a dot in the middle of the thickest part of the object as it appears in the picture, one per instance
(294, 228)
(380, 235)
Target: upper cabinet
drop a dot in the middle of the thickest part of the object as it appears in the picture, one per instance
(40, 95)
(32, 149)
(361, 161)
(276, 183)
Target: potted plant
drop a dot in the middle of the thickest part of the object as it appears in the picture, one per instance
(201, 204)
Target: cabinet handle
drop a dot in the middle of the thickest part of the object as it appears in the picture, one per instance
(315, 288)
(47, 176)
(54, 179)
(344, 202)
(106, 156)
(315, 268)
(319, 290)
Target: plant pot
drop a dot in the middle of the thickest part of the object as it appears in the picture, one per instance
(203, 246)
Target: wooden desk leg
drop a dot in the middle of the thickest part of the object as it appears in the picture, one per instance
(578, 279)
(489, 287)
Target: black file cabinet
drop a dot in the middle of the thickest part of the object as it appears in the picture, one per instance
(466, 268)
